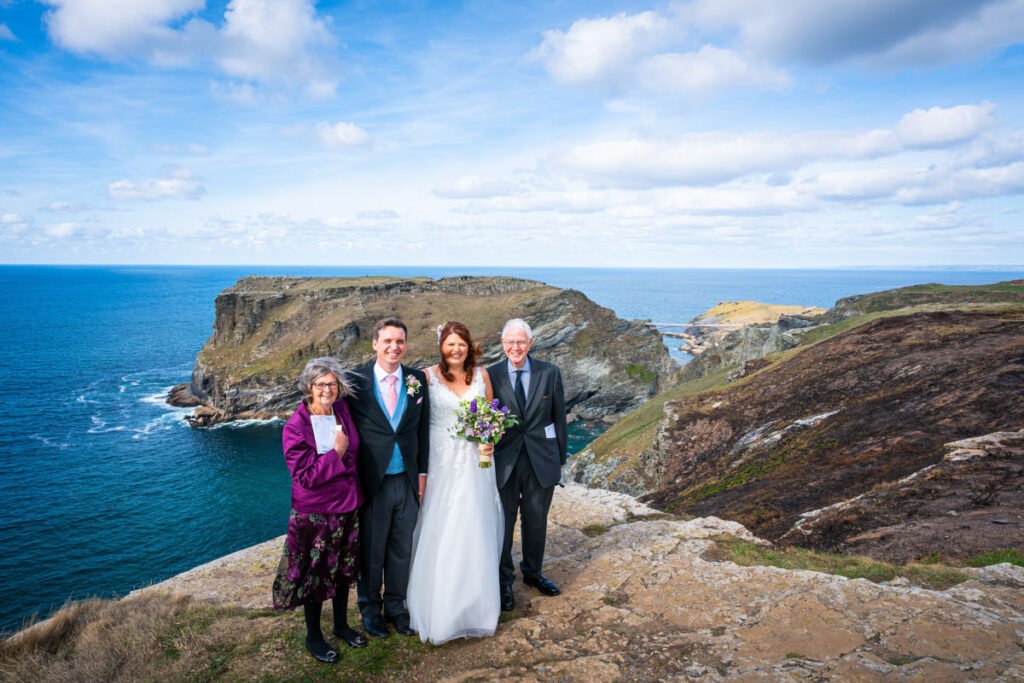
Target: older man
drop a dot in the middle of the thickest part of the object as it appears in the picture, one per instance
(528, 459)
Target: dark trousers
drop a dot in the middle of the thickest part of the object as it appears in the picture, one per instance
(523, 495)
(386, 524)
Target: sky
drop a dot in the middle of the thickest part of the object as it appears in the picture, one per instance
(698, 133)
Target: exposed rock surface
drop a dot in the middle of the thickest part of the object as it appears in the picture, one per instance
(266, 328)
(748, 344)
(640, 603)
(863, 409)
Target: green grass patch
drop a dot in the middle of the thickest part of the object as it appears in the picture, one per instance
(747, 554)
(634, 433)
(593, 530)
(637, 371)
(1011, 555)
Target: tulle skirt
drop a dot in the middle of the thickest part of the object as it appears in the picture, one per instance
(453, 583)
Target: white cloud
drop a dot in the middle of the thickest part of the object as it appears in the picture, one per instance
(378, 215)
(261, 41)
(6, 33)
(595, 51)
(341, 134)
(13, 225)
(117, 29)
(709, 68)
(276, 41)
(713, 158)
(173, 184)
(937, 127)
(810, 31)
(916, 186)
(474, 187)
(62, 231)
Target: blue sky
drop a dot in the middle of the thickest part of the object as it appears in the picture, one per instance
(710, 133)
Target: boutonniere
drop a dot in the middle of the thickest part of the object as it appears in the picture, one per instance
(412, 385)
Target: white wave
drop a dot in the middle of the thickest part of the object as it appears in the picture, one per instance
(82, 399)
(168, 420)
(99, 426)
(159, 398)
(241, 424)
(50, 442)
(121, 388)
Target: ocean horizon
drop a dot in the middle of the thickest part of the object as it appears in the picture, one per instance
(108, 489)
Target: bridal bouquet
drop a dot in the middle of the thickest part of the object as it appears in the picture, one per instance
(482, 422)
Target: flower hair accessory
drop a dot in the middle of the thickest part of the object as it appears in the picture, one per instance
(412, 385)
(440, 328)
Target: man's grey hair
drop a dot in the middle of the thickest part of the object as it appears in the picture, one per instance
(517, 324)
(317, 368)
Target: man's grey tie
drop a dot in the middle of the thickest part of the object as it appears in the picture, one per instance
(520, 393)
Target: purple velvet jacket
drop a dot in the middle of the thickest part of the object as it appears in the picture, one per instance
(321, 483)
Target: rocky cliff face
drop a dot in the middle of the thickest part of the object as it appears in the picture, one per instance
(854, 414)
(266, 328)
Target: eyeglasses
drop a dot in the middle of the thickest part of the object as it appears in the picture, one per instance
(320, 386)
(514, 343)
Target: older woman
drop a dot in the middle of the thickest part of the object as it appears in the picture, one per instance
(322, 548)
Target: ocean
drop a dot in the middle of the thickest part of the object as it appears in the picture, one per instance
(105, 487)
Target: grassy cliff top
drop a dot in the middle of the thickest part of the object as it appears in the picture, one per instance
(754, 312)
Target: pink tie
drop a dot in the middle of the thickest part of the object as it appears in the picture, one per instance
(391, 394)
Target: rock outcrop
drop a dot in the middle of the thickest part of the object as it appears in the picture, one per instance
(852, 414)
(266, 328)
(714, 325)
(642, 601)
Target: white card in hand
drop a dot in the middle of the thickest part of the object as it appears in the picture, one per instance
(549, 431)
(323, 432)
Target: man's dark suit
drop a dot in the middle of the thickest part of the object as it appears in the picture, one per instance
(528, 461)
(388, 518)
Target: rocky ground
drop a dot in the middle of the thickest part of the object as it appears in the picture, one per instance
(267, 328)
(641, 603)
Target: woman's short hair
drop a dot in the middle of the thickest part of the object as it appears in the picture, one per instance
(454, 327)
(317, 368)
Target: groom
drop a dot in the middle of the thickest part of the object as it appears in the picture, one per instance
(528, 460)
(392, 415)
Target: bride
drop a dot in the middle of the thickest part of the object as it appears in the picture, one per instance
(453, 584)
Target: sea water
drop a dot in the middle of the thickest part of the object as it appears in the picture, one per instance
(105, 488)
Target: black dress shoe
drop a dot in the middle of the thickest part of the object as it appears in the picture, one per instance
(542, 583)
(508, 601)
(376, 627)
(321, 651)
(401, 624)
(352, 637)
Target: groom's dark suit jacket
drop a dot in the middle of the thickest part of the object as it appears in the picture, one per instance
(377, 438)
(545, 405)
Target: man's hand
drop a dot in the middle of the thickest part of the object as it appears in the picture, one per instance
(423, 486)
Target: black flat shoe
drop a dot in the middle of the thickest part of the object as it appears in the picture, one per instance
(351, 637)
(401, 624)
(376, 627)
(508, 600)
(542, 583)
(321, 651)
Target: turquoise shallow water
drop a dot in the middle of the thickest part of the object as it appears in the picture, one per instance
(104, 486)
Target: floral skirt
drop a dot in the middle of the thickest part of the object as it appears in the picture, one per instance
(321, 553)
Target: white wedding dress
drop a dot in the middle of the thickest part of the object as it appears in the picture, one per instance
(453, 582)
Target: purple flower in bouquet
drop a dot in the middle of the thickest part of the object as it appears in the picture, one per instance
(482, 423)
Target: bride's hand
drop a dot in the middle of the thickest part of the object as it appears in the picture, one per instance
(485, 449)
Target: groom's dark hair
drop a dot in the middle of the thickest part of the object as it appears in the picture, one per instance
(389, 322)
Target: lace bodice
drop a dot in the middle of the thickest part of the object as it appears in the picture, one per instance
(447, 450)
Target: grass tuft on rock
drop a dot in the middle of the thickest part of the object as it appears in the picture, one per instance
(1011, 555)
(747, 554)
